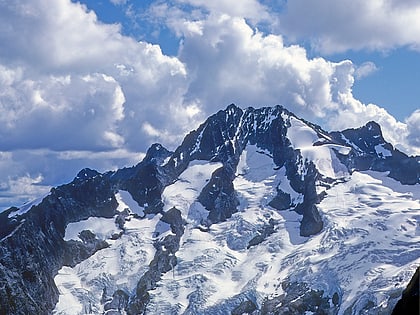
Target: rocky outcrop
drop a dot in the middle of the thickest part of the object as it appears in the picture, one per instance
(263, 233)
(409, 304)
(77, 251)
(299, 298)
(34, 251)
(219, 196)
(370, 151)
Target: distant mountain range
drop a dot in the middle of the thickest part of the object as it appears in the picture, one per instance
(256, 212)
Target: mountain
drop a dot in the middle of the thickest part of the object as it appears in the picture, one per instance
(256, 212)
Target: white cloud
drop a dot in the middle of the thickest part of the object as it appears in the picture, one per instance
(365, 69)
(71, 77)
(21, 190)
(71, 112)
(231, 62)
(251, 9)
(118, 2)
(337, 26)
(69, 83)
(413, 124)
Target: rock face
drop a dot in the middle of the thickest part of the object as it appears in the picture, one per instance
(32, 253)
(372, 152)
(303, 157)
(410, 300)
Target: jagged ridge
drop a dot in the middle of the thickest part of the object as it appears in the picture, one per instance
(221, 139)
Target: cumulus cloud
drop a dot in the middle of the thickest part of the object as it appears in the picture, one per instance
(337, 26)
(69, 83)
(413, 123)
(253, 69)
(67, 72)
(71, 112)
(365, 69)
(118, 2)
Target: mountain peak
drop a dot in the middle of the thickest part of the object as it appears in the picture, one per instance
(158, 153)
(86, 173)
(256, 211)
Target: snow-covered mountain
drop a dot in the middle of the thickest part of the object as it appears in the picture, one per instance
(256, 212)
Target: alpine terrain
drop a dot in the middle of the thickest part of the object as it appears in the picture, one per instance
(256, 212)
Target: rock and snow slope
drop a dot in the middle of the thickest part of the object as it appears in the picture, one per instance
(256, 212)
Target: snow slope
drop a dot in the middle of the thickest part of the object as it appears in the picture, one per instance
(117, 267)
(367, 250)
(303, 138)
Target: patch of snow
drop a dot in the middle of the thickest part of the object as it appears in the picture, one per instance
(382, 151)
(323, 156)
(165, 161)
(125, 200)
(68, 303)
(198, 142)
(325, 159)
(102, 227)
(256, 181)
(161, 229)
(300, 134)
(26, 207)
(183, 193)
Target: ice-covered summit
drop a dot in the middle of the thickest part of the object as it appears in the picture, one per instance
(256, 212)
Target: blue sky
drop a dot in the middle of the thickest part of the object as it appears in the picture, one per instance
(94, 83)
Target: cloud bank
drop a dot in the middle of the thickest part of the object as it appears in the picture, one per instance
(338, 26)
(75, 92)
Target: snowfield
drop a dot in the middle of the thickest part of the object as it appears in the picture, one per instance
(117, 267)
(367, 251)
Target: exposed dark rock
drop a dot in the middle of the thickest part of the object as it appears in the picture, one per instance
(265, 232)
(76, 251)
(174, 219)
(219, 196)
(311, 221)
(246, 307)
(281, 201)
(409, 304)
(370, 151)
(7, 225)
(299, 298)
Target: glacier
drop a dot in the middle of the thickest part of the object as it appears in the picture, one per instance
(364, 255)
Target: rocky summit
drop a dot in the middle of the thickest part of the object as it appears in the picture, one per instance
(256, 212)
